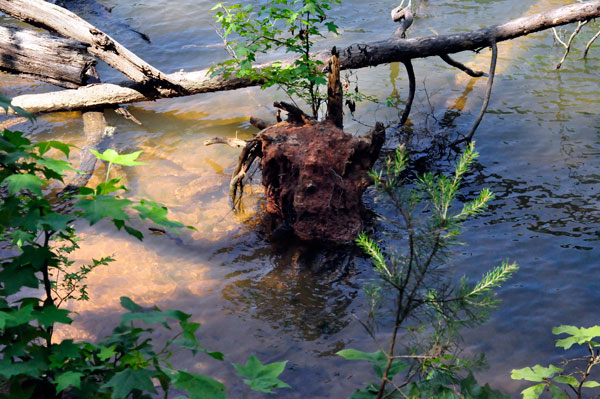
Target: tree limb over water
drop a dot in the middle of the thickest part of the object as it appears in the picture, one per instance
(394, 49)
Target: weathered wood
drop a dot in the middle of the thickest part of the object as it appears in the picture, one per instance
(335, 94)
(57, 19)
(355, 56)
(62, 62)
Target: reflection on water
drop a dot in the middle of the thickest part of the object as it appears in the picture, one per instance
(539, 146)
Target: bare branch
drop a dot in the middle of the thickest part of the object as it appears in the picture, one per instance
(580, 25)
(587, 47)
(488, 93)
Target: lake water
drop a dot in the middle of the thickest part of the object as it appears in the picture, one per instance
(539, 146)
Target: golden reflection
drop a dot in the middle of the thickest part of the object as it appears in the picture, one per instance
(508, 51)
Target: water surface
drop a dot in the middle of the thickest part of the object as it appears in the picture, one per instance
(539, 146)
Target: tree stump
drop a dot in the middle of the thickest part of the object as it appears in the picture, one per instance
(314, 176)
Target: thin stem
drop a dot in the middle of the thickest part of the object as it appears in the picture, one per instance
(47, 287)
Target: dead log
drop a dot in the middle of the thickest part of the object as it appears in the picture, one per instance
(394, 49)
(57, 19)
(59, 61)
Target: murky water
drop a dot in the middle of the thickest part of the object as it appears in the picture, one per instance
(539, 146)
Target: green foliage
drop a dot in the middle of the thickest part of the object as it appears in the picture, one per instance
(290, 25)
(40, 239)
(261, 377)
(414, 284)
(551, 376)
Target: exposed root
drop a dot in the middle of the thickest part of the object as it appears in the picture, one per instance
(412, 88)
(451, 61)
(486, 99)
(295, 114)
(251, 151)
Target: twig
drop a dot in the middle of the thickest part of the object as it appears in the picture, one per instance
(411, 95)
(230, 141)
(127, 115)
(488, 93)
(451, 61)
(557, 38)
(568, 45)
(587, 47)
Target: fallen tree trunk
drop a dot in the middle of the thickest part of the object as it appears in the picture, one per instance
(394, 49)
(57, 19)
(62, 62)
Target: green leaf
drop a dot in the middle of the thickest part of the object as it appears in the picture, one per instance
(50, 314)
(103, 206)
(20, 182)
(578, 336)
(114, 157)
(55, 221)
(67, 349)
(536, 374)
(157, 213)
(533, 392)
(566, 379)
(4, 317)
(353, 354)
(199, 386)
(590, 384)
(558, 393)
(106, 352)
(44, 146)
(67, 379)
(261, 377)
(128, 304)
(123, 382)
(56, 165)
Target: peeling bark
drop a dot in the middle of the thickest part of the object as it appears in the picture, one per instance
(59, 61)
(57, 19)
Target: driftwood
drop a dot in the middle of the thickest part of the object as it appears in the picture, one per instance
(394, 49)
(59, 61)
(57, 19)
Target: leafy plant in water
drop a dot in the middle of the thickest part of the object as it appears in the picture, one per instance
(36, 243)
(554, 379)
(290, 25)
(412, 286)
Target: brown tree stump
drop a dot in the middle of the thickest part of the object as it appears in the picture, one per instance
(314, 176)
